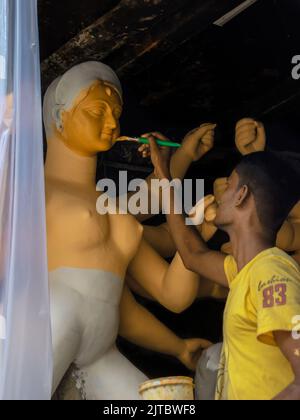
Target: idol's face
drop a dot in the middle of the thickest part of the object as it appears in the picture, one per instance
(226, 204)
(92, 124)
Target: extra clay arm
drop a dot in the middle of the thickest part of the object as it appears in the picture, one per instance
(250, 136)
(289, 236)
(173, 286)
(206, 289)
(160, 239)
(136, 287)
(209, 289)
(295, 213)
(140, 327)
(296, 257)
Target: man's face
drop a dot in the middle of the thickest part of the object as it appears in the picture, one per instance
(92, 125)
(226, 204)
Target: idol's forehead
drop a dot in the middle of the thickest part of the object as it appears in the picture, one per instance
(97, 93)
(81, 77)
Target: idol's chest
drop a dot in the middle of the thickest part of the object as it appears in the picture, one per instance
(74, 219)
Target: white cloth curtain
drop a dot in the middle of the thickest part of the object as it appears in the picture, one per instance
(25, 340)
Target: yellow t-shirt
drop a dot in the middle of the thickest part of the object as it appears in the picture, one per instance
(264, 297)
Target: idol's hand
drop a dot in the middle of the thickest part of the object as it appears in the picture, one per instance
(192, 351)
(220, 186)
(199, 141)
(250, 136)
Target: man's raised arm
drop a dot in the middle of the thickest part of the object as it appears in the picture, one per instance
(194, 252)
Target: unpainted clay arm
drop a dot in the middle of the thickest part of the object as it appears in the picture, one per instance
(296, 257)
(140, 327)
(250, 136)
(208, 289)
(196, 144)
(159, 237)
(135, 287)
(288, 237)
(173, 286)
(295, 213)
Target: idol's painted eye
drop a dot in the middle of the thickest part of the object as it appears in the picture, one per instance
(95, 113)
(117, 113)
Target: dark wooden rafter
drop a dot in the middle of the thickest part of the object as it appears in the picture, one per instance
(167, 52)
(60, 21)
(135, 33)
(107, 34)
(167, 35)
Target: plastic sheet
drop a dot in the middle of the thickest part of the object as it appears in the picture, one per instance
(25, 340)
(207, 373)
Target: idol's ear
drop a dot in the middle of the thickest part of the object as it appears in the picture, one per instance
(57, 117)
(243, 194)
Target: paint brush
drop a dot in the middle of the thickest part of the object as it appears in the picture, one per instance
(143, 140)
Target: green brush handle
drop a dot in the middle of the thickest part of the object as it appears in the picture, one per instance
(166, 143)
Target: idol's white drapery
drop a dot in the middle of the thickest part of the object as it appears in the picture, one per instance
(25, 341)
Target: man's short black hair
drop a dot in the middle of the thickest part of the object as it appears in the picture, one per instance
(274, 181)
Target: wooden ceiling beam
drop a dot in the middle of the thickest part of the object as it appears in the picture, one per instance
(136, 33)
(109, 33)
(169, 35)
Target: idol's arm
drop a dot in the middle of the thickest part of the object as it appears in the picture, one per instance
(289, 236)
(172, 285)
(140, 327)
(160, 238)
